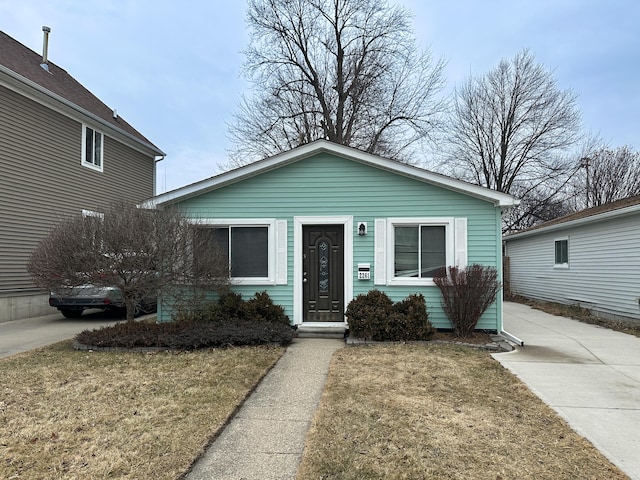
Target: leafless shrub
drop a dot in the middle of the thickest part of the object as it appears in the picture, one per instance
(466, 295)
(144, 253)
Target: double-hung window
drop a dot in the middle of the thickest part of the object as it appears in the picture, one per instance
(410, 251)
(561, 253)
(253, 248)
(92, 148)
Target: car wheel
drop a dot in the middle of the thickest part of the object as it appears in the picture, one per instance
(71, 312)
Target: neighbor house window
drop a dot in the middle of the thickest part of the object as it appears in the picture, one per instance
(562, 252)
(416, 249)
(253, 248)
(92, 148)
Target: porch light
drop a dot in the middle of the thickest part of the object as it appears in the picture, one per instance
(362, 228)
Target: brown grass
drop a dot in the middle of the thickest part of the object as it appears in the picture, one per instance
(80, 415)
(439, 411)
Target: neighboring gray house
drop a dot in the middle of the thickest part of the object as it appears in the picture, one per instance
(590, 258)
(62, 151)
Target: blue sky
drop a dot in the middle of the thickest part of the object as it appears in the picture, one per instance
(172, 69)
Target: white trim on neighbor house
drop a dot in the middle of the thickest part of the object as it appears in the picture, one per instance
(298, 248)
(92, 213)
(276, 246)
(562, 265)
(320, 146)
(619, 212)
(88, 159)
(35, 92)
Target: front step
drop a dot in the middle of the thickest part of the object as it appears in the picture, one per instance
(313, 331)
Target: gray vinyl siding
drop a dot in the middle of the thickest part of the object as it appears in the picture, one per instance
(42, 180)
(603, 271)
(324, 185)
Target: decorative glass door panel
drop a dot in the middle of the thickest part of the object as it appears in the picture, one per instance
(323, 273)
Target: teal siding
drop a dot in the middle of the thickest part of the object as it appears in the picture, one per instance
(324, 185)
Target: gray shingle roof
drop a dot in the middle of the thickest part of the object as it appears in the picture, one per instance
(584, 214)
(26, 63)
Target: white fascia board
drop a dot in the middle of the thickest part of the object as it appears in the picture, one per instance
(620, 212)
(319, 146)
(46, 97)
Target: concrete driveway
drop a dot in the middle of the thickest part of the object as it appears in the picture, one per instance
(26, 334)
(588, 374)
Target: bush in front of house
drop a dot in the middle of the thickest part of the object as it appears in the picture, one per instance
(231, 306)
(187, 335)
(261, 307)
(228, 321)
(374, 316)
(410, 319)
(466, 295)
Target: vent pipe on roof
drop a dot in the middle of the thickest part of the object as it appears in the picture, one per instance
(45, 47)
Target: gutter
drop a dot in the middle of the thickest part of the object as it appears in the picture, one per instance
(78, 109)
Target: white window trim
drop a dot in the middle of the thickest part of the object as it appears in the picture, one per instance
(83, 161)
(298, 248)
(447, 222)
(91, 213)
(273, 277)
(560, 266)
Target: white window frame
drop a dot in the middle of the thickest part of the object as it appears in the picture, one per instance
(92, 213)
(560, 265)
(447, 222)
(276, 247)
(87, 161)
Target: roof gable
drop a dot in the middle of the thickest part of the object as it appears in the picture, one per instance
(23, 65)
(347, 153)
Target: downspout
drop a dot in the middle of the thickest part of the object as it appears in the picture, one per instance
(501, 331)
(155, 172)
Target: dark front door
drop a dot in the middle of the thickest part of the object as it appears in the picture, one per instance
(323, 274)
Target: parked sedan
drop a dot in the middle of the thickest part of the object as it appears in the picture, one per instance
(72, 301)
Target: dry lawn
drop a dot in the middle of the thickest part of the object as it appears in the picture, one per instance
(93, 415)
(439, 411)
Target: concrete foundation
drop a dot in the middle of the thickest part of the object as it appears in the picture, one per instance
(24, 305)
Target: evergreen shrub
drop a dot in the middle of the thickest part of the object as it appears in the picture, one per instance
(374, 316)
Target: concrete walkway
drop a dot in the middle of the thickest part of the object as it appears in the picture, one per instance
(588, 374)
(265, 440)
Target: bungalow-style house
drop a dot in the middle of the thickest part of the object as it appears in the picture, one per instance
(590, 258)
(322, 223)
(62, 151)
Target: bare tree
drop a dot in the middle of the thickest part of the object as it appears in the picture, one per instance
(607, 175)
(143, 253)
(347, 71)
(511, 129)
